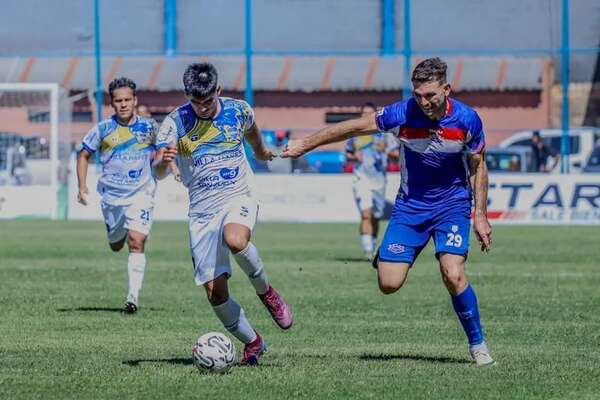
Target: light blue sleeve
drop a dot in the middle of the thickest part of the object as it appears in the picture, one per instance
(91, 141)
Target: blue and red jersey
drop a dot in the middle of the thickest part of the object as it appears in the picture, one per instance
(433, 154)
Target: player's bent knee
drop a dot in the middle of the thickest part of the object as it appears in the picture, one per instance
(387, 288)
(454, 280)
(116, 246)
(391, 276)
(236, 242)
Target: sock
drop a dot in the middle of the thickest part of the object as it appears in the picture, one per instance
(465, 305)
(374, 241)
(481, 346)
(234, 320)
(367, 243)
(136, 265)
(250, 262)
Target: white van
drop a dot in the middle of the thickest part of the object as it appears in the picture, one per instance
(582, 143)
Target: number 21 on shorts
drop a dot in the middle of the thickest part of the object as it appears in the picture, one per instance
(145, 215)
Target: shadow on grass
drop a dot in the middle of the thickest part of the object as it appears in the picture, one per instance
(352, 260)
(415, 357)
(172, 361)
(100, 309)
(186, 361)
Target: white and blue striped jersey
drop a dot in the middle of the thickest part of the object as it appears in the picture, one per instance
(126, 153)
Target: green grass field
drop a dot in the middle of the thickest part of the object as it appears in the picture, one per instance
(63, 337)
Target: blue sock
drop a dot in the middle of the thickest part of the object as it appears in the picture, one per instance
(465, 305)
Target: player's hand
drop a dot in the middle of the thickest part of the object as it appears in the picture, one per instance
(483, 231)
(295, 148)
(168, 155)
(265, 155)
(82, 196)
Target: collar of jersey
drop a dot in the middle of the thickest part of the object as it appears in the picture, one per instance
(135, 120)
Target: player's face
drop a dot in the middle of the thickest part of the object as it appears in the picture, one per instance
(206, 107)
(124, 102)
(431, 97)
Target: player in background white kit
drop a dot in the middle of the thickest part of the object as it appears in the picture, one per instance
(205, 136)
(125, 143)
(370, 156)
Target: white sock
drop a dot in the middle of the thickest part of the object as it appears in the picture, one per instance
(374, 241)
(250, 262)
(367, 243)
(136, 265)
(234, 320)
(480, 346)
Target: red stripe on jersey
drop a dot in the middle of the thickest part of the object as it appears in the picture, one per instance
(452, 133)
(424, 133)
(414, 133)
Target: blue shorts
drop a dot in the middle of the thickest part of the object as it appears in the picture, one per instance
(409, 231)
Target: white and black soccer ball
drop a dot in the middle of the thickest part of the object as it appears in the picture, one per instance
(213, 352)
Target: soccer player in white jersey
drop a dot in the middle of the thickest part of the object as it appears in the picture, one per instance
(125, 143)
(370, 155)
(206, 135)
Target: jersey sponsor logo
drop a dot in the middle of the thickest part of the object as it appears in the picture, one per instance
(195, 137)
(396, 248)
(206, 159)
(229, 173)
(214, 185)
(135, 173)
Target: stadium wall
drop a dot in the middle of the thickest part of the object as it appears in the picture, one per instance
(513, 199)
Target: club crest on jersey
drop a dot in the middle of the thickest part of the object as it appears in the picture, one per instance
(229, 173)
(396, 248)
(454, 228)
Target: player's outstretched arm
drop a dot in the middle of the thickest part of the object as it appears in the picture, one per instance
(479, 182)
(364, 125)
(83, 160)
(254, 137)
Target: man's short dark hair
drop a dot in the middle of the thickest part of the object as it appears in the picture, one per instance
(536, 134)
(429, 70)
(119, 83)
(200, 80)
(368, 104)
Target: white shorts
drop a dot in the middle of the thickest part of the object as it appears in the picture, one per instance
(210, 254)
(367, 195)
(136, 216)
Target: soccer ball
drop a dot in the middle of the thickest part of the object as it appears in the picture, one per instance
(213, 352)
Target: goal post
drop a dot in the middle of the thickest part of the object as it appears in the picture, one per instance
(35, 147)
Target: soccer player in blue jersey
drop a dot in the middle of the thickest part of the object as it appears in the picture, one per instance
(443, 168)
(370, 156)
(125, 143)
(205, 136)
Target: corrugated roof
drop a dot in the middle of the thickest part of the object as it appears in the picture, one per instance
(297, 73)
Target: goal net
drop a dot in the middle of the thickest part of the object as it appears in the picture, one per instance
(35, 147)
